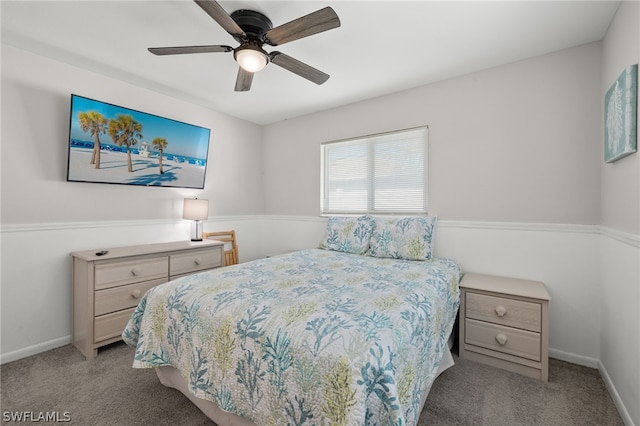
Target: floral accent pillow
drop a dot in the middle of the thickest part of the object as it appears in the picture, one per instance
(408, 238)
(348, 234)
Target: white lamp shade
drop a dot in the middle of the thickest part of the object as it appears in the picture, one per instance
(194, 209)
(251, 60)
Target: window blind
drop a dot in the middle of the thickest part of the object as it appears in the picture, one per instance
(385, 173)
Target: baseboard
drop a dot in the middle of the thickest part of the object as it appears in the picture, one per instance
(622, 410)
(596, 363)
(35, 349)
(573, 358)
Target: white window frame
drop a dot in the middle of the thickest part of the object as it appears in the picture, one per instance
(370, 142)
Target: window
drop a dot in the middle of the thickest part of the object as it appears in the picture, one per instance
(384, 173)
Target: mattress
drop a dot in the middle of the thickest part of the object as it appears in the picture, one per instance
(314, 335)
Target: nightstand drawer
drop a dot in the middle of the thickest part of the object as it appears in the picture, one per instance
(109, 275)
(508, 340)
(195, 260)
(504, 311)
(122, 297)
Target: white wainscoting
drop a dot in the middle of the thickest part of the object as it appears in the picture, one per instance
(591, 273)
(36, 267)
(564, 257)
(620, 321)
(36, 271)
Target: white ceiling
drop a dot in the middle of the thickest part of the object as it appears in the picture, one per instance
(381, 47)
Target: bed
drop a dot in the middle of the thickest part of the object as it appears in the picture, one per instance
(315, 336)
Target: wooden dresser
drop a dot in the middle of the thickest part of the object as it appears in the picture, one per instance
(504, 323)
(108, 287)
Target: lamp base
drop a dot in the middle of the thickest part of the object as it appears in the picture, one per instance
(196, 230)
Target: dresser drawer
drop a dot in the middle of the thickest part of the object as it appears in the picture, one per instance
(122, 297)
(195, 260)
(525, 344)
(504, 311)
(110, 325)
(114, 274)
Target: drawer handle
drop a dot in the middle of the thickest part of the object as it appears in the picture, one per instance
(197, 261)
(135, 271)
(501, 310)
(135, 293)
(501, 339)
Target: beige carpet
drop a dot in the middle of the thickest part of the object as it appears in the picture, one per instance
(107, 391)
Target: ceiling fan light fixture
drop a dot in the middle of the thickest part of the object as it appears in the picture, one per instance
(250, 58)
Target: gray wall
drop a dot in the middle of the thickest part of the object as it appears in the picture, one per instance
(620, 180)
(35, 127)
(620, 206)
(518, 143)
(514, 173)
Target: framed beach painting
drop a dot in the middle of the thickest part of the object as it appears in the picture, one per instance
(113, 144)
(621, 116)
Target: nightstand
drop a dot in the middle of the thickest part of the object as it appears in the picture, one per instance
(504, 322)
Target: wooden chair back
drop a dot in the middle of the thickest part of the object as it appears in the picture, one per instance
(231, 255)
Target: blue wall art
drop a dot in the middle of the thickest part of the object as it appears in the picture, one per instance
(621, 116)
(113, 144)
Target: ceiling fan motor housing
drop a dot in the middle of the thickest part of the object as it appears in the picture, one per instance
(254, 24)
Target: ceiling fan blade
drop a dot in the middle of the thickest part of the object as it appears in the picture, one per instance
(313, 23)
(297, 67)
(180, 50)
(221, 16)
(243, 81)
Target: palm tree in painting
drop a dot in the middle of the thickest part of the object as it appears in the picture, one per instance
(160, 144)
(125, 131)
(96, 124)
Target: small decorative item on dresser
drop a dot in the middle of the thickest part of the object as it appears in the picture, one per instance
(504, 323)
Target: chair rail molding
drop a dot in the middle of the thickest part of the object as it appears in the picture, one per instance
(622, 236)
(61, 226)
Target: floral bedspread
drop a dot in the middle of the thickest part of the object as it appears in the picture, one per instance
(311, 337)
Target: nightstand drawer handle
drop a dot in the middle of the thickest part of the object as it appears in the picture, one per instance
(135, 293)
(197, 261)
(501, 339)
(135, 271)
(501, 310)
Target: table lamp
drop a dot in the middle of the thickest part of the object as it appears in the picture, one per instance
(197, 211)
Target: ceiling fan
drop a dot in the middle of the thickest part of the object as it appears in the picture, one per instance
(252, 30)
